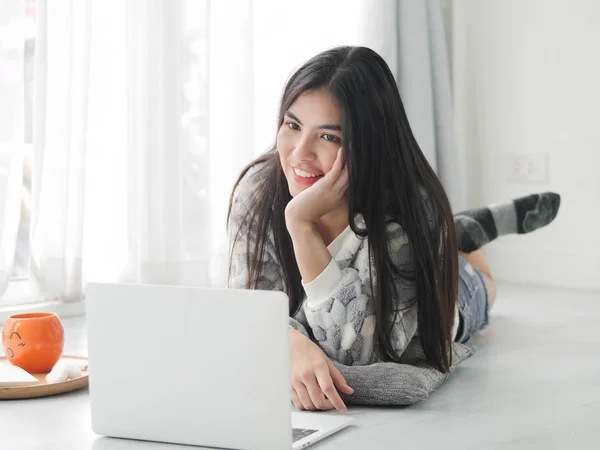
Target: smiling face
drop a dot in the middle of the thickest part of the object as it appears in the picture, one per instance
(308, 139)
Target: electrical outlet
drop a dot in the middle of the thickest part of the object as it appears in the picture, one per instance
(528, 168)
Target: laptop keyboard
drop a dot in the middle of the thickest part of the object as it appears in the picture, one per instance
(300, 433)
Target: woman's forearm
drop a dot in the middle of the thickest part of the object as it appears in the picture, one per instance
(311, 252)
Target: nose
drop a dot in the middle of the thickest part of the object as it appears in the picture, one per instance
(304, 150)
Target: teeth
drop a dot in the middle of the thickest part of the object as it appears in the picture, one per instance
(303, 174)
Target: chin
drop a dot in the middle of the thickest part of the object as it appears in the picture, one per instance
(293, 187)
(294, 190)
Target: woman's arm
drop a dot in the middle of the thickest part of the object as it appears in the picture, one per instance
(311, 252)
(339, 308)
(341, 312)
(304, 210)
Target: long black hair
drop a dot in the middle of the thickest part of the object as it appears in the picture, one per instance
(389, 177)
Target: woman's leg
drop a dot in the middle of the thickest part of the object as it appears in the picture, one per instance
(477, 260)
(476, 227)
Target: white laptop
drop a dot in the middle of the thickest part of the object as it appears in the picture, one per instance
(196, 366)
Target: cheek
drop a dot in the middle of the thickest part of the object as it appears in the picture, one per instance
(284, 146)
(327, 161)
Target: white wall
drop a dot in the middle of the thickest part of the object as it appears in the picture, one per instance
(527, 80)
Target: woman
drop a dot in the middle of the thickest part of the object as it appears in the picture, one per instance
(345, 215)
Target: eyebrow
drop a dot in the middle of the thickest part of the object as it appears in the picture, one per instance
(14, 332)
(326, 126)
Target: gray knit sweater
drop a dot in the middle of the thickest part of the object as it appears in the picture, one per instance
(338, 306)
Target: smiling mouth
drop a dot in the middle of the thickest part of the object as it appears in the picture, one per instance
(304, 174)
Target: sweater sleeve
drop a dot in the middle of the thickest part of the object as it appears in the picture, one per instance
(340, 309)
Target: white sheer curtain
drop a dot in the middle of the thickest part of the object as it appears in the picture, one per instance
(59, 142)
(12, 15)
(131, 178)
(148, 134)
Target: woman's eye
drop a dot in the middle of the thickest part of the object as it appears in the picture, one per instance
(331, 138)
(293, 125)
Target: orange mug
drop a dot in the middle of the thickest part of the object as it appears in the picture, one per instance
(34, 342)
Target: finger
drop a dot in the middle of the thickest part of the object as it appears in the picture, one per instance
(304, 397)
(337, 166)
(342, 182)
(317, 396)
(339, 380)
(296, 400)
(328, 388)
(343, 161)
(339, 160)
(328, 405)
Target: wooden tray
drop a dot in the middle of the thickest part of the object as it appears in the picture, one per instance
(44, 389)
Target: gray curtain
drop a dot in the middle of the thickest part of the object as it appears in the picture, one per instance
(411, 37)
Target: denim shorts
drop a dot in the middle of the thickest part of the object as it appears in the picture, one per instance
(473, 306)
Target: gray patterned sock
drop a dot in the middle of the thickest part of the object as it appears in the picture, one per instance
(476, 227)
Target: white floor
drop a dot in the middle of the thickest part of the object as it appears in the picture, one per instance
(534, 382)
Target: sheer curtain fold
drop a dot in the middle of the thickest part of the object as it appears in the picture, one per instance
(11, 133)
(12, 136)
(410, 36)
(59, 146)
(155, 145)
